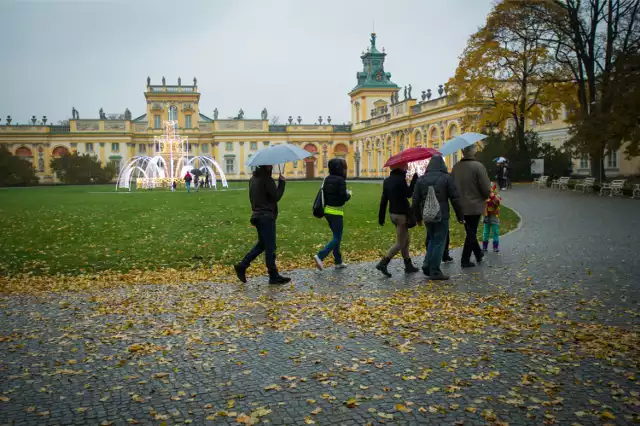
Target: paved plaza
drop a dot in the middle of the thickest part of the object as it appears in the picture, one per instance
(545, 332)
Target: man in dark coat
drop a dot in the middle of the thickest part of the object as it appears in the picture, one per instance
(474, 186)
(264, 197)
(396, 192)
(444, 186)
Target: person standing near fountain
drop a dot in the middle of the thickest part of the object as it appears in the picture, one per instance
(264, 197)
(187, 181)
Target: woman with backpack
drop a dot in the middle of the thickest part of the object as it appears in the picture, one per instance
(434, 189)
(396, 193)
(335, 197)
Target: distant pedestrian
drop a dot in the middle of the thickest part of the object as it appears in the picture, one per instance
(335, 197)
(396, 193)
(501, 175)
(444, 187)
(491, 220)
(187, 181)
(264, 197)
(173, 186)
(474, 187)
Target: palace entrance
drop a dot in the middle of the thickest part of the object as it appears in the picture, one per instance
(310, 163)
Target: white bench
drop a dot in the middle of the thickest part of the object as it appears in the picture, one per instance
(586, 184)
(614, 187)
(541, 182)
(636, 191)
(562, 183)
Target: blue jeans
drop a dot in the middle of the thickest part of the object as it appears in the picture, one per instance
(435, 246)
(336, 223)
(188, 186)
(266, 228)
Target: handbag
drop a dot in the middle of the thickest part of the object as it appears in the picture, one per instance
(318, 204)
(411, 219)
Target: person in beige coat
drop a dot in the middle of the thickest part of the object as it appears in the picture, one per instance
(474, 187)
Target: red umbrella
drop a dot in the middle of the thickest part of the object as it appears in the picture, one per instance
(409, 155)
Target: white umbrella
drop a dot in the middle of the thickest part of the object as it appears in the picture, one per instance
(460, 142)
(278, 154)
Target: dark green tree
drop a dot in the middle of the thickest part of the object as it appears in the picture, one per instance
(82, 169)
(14, 171)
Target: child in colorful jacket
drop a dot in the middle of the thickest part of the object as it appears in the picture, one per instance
(491, 220)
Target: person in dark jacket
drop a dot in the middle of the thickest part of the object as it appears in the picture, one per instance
(444, 186)
(396, 193)
(264, 197)
(187, 181)
(335, 197)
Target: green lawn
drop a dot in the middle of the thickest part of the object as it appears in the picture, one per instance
(86, 229)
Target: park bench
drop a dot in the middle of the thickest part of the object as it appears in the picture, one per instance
(586, 184)
(541, 182)
(614, 187)
(636, 191)
(562, 183)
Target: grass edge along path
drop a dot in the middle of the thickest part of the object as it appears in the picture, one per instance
(73, 218)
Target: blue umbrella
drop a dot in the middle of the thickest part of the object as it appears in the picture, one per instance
(278, 154)
(460, 142)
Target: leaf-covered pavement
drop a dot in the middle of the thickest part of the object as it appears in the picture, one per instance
(544, 333)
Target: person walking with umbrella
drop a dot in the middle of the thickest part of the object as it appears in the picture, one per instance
(264, 196)
(335, 196)
(475, 187)
(396, 193)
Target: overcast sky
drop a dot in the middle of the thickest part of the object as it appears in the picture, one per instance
(294, 57)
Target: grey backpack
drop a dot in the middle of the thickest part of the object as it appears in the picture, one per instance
(431, 210)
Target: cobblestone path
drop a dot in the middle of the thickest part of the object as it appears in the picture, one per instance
(545, 332)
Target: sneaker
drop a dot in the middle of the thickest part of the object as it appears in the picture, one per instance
(319, 262)
(341, 265)
(468, 264)
(479, 258)
(439, 277)
(447, 259)
(496, 250)
(241, 273)
(426, 271)
(279, 279)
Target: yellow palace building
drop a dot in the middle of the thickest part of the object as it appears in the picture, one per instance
(385, 119)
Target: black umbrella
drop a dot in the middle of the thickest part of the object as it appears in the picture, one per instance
(197, 172)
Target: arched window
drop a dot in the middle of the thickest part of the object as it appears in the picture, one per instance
(24, 153)
(341, 150)
(418, 139)
(59, 151)
(433, 137)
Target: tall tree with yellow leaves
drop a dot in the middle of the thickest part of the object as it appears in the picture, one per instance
(507, 70)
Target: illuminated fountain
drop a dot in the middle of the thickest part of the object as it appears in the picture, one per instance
(169, 163)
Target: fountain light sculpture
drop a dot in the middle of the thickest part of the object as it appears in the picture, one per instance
(169, 163)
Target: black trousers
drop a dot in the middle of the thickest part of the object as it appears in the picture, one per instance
(266, 228)
(471, 240)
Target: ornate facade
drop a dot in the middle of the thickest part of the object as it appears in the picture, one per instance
(386, 119)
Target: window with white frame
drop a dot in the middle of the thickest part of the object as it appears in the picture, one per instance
(369, 159)
(187, 121)
(156, 122)
(230, 165)
(142, 148)
(253, 146)
(584, 161)
(89, 147)
(205, 147)
(229, 146)
(115, 147)
(611, 160)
